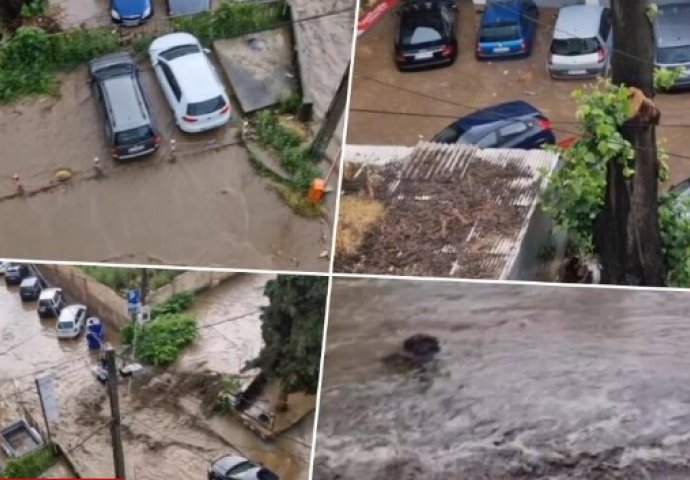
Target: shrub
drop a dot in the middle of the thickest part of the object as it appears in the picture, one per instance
(30, 465)
(162, 340)
(178, 303)
(230, 19)
(290, 104)
(287, 144)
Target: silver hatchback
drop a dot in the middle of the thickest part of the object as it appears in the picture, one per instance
(672, 35)
(581, 44)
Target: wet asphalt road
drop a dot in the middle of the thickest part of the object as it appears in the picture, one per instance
(533, 382)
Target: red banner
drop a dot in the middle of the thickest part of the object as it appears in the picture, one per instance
(369, 19)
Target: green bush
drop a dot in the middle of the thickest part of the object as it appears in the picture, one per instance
(36, 8)
(287, 144)
(30, 58)
(230, 19)
(162, 340)
(31, 465)
(290, 104)
(178, 303)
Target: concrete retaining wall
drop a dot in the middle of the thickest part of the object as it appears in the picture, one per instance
(194, 282)
(101, 300)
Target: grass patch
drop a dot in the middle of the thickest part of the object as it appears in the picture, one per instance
(178, 303)
(295, 197)
(122, 279)
(161, 341)
(30, 465)
(287, 144)
(356, 216)
(289, 104)
(30, 58)
(231, 19)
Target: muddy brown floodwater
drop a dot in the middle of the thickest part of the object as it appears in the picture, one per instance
(167, 430)
(207, 208)
(468, 85)
(532, 383)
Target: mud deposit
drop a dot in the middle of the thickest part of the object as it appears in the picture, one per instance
(533, 383)
(428, 224)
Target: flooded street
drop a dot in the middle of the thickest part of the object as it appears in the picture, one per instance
(210, 201)
(167, 430)
(468, 85)
(532, 383)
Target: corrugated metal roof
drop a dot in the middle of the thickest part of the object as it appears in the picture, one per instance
(432, 162)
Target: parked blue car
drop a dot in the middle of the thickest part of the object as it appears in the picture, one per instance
(507, 125)
(131, 13)
(507, 29)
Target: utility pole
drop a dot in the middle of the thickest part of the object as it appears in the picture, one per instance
(627, 235)
(332, 118)
(115, 427)
(144, 284)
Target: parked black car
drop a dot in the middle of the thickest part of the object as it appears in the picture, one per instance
(16, 273)
(30, 289)
(507, 125)
(426, 35)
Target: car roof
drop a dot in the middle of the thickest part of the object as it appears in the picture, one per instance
(223, 464)
(496, 113)
(578, 21)
(672, 25)
(29, 281)
(125, 102)
(195, 77)
(501, 11)
(71, 310)
(47, 293)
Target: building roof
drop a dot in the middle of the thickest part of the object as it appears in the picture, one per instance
(470, 208)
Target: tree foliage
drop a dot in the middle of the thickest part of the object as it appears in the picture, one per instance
(292, 329)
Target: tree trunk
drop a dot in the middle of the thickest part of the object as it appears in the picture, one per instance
(282, 404)
(627, 236)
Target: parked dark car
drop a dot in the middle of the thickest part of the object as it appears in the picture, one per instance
(238, 468)
(16, 273)
(508, 125)
(131, 13)
(30, 289)
(50, 302)
(129, 126)
(672, 35)
(507, 29)
(187, 7)
(426, 35)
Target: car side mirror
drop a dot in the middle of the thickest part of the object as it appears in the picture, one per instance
(207, 51)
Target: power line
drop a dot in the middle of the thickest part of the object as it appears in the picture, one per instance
(490, 115)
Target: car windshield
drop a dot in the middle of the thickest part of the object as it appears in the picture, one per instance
(266, 475)
(240, 468)
(673, 55)
(499, 32)
(180, 51)
(134, 135)
(65, 325)
(206, 107)
(420, 27)
(574, 46)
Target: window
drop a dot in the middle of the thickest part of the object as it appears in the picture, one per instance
(180, 51)
(449, 135)
(489, 141)
(673, 55)
(134, 135)
(499, 32)
(421, 26)
(174, 86)
(574, 46)
(605, 26)
(513, 130)
(206, 107)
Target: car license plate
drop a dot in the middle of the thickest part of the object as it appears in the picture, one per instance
(501, 49)
(424, 55)
(577, 72)
(136, 149)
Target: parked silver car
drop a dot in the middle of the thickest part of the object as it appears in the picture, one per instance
(672, 35)
(582, 42)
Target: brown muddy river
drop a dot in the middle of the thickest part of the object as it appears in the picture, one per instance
(532, 383)
(167, 434)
